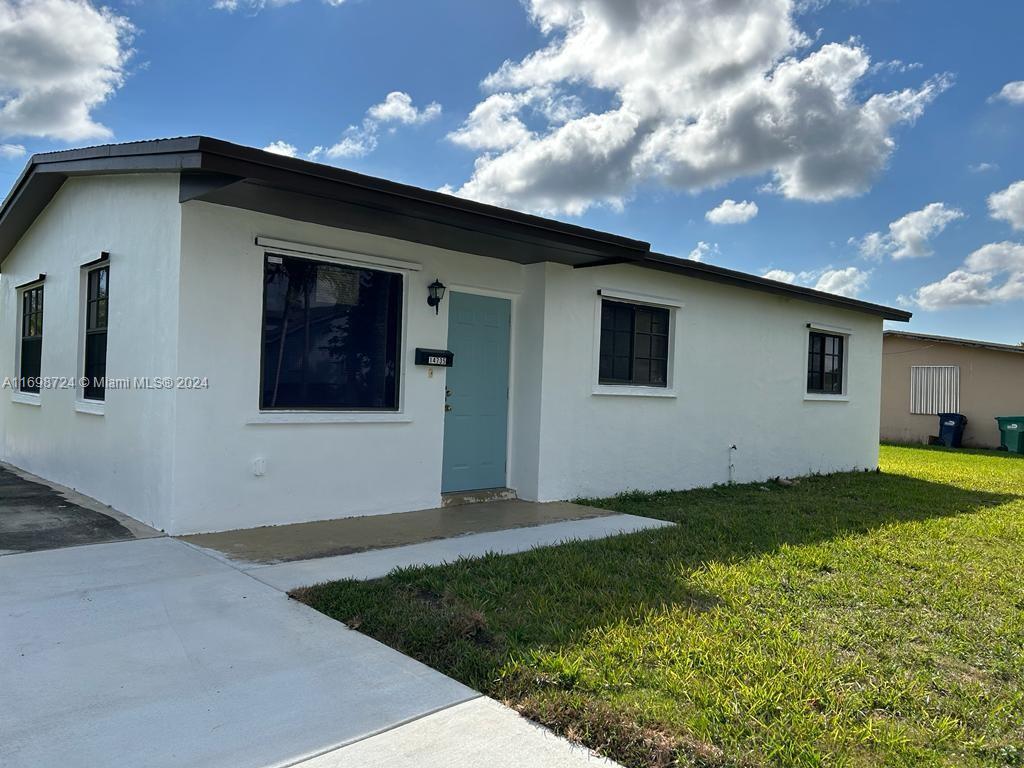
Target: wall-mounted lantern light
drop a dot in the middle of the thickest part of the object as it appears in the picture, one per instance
(435, 292)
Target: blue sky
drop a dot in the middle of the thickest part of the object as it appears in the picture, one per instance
(628, 116)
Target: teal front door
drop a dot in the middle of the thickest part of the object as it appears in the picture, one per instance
(476, 416)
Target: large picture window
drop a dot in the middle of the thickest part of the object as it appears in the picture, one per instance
(95, 364)
(31, 352)
(634, 344)
(331, 336)
(825, 360)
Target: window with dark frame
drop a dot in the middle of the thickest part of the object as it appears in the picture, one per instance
(331, 336)
(95, 366)
(825, 360)
(634, 344)
(31, 339)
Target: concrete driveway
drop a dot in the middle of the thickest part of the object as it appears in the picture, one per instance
(150, 652)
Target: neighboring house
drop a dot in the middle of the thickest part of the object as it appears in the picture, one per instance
(925, 375)
(291, 300)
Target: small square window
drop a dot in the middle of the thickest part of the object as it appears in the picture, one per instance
(634, 344)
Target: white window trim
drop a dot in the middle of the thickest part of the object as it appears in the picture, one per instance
(93, 407)
(26, 398)
(836, 330)
(631, 390)
(331, 416)
(270, 244)
(82, 403)
(626, 390)
(811, 396)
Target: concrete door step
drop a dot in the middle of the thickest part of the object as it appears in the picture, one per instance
(458, 498)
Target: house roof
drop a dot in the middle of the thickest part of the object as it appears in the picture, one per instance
(927, 337)
(220, 172)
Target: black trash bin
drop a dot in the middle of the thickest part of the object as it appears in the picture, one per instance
(951, 429)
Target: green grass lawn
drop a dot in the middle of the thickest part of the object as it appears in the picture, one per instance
(868, 619)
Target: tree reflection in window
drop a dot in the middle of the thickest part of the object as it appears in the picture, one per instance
(331, 336)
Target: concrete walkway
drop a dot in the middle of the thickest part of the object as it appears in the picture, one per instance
(328, 538)
(380, 562)
(152, 653)
(480, 732)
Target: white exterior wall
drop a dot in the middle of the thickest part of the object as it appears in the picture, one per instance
(323, 466)
(122, 457)
(186, 300)
(739, 374)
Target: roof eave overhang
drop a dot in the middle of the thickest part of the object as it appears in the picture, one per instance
(990, 346)
(223, 173)
(710, 272)
(229, 174)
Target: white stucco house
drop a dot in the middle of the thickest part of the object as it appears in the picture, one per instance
(258, 347)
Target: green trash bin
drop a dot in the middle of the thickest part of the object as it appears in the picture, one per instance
(1011, 428)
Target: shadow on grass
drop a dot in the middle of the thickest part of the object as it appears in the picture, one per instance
(468, 618)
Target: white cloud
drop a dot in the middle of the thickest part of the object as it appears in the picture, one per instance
(493, 124)
(357, 141)
(909, 236)
(282, 148)
(845, 282)
(911, 233)
(982, 167)
(992, 274)
(59, 60)
(895, 66)
(782, 275)
(702, 250)
(496, 124)
(873, 245)
(731, 212)
(397, 107)
(258, 5)
(1008, 205)
(11, 151)
(721, 90)
(360, 140)
(1011, 92)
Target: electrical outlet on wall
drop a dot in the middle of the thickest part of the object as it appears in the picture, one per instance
(259, 467)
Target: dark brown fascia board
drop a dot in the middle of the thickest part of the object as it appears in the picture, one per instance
(44, 174)
(212, 148)
(703, 271)
(990, 345)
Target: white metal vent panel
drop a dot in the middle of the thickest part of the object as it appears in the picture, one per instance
(934, 389)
